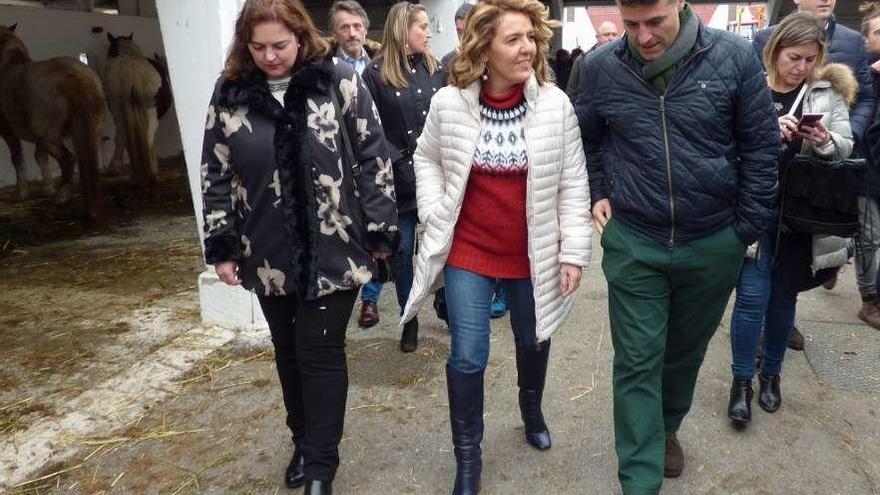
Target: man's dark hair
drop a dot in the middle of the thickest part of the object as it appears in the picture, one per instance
(463, 11)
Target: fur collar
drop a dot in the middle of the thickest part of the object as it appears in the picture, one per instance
(253, 91)
(840, 79)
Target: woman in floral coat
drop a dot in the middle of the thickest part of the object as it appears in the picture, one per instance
(299, 202)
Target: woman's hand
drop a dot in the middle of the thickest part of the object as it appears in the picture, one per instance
(570, 278)
(380, 255)
(601, 214)
(817, 134)
(788, 126)
(228, 272)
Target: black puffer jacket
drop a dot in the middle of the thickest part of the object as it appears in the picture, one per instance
(278, 198)
(403, 112)
(845, 46)
(685, 164)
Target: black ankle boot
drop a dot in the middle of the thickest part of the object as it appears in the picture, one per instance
(294, 476)
(409, 339)
(466, 417)
(318, 487)
(739, 409)
(769, 397)
(531, 367)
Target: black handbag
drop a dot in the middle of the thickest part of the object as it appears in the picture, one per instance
(822, 196)
(384, 273)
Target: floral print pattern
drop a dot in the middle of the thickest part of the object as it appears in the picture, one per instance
(322, 121)
(250, 202)
(234, 120)
(272, 279)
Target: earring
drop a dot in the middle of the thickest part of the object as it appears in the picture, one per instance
(485, 76)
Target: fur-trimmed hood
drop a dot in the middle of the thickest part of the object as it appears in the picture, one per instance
(841, 80)
(372, 47)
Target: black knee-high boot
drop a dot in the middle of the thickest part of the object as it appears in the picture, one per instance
(531, 366)
(466, 417)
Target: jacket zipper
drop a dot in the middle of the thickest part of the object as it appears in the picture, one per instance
(671, 190)
(668, 172)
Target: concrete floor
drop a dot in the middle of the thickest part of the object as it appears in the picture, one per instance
(199, 410)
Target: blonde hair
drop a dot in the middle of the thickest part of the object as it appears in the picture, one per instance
(800, 28)
(395, 63)
(480, 27)
(871, 11)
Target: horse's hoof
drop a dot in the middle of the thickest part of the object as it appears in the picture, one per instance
(49, 191)
(23, 193)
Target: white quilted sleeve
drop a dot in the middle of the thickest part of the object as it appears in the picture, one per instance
(575, 227)
(430, 181)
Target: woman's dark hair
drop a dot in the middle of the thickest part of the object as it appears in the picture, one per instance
(290, 13)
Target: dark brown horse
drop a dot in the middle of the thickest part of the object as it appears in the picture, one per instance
(45, 102)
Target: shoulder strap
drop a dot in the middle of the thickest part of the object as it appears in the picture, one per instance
(349, 159)
(797, 101)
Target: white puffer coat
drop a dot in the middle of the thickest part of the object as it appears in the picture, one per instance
(557, 194)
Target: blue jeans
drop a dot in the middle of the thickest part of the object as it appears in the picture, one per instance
(752, 297)
(469, 301)
(791, 275)
(371, 291)
(402, 261)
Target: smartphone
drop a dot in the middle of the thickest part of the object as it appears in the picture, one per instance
(810, 119)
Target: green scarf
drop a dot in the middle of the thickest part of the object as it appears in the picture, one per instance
(660, 72)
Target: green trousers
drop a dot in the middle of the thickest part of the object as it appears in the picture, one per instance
(665, 304)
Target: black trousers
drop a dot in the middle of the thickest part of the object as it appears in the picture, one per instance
(309, 340)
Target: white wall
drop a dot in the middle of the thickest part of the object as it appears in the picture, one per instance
(50, 33)
(579, 32)
(442, 23)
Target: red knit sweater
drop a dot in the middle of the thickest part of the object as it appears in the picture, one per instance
(491, 236)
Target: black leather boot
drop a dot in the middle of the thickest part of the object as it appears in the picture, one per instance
(294, 476)
(409, 339)
(466, 417)
(739, 409)
(318, 487)
(769, 397)
(531, 367)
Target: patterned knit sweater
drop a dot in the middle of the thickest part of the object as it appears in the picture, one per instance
(491, 236)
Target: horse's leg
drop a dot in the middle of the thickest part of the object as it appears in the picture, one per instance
(152, 127)
(66, 161)
(42, 155)
(115, 167)
(14, 145)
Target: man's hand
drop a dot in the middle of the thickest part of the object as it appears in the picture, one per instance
(228, 272)
(601, 214)
(570, 278)
(380, 255)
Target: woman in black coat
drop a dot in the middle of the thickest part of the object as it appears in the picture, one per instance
(402, 81)
(298, 204)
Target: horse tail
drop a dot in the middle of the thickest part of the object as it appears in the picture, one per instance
(137, 124)
(87, 102)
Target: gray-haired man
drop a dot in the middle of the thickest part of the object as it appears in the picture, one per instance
(349, 24)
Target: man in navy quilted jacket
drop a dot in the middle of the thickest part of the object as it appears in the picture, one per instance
(681, 141)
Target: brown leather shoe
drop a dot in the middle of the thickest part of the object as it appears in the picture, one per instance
(795, 339)
(831, 283)
(870, 312)
(369, 314)
(674, 463)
